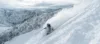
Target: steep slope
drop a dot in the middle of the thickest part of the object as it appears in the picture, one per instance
(77, 25)
(25, 23)
(35, 23)
(25, 20)
(80, 29)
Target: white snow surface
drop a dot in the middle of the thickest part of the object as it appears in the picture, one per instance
(77, 25)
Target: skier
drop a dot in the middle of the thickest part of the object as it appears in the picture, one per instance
(49, 29)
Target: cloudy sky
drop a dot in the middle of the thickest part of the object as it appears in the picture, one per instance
(27, 3)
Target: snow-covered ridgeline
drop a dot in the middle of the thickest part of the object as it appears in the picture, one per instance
(32, 3)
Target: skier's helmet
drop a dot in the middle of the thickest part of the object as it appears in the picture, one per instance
(48, 25)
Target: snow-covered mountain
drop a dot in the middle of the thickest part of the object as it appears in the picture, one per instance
(23, 21)
(73, 22)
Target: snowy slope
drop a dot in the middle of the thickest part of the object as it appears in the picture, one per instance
(33, 27)
(24, 20)
(78, 24)
(80, 29)
(28, 20)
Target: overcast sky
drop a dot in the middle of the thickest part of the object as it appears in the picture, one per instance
(26, 3)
